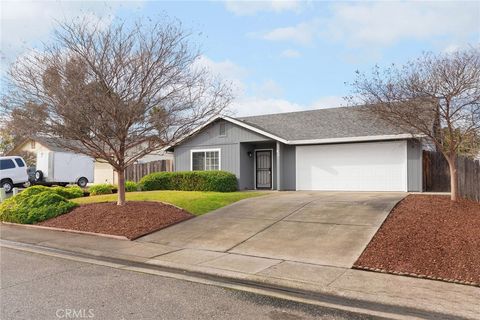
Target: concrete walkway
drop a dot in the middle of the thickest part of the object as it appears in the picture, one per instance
(379, 293)
(325, 228)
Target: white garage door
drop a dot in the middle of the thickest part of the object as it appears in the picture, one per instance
(372, 166)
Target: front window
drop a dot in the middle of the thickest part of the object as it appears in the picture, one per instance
(206, 160)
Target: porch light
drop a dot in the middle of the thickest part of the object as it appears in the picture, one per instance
(250, 154)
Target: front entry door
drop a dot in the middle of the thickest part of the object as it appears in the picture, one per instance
(263, 172)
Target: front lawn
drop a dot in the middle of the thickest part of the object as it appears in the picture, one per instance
(195, 202)
(428, 236)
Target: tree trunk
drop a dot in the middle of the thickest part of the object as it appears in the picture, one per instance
(452, 164)
(121, 188)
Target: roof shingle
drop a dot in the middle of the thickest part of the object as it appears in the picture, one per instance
(340, 122)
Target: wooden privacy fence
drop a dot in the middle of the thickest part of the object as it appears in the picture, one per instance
(137, 171)
(469, 178)
(436, 175)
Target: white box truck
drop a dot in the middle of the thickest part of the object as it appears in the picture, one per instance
(62, 168)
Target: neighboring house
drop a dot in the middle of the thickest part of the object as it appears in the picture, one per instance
(329, 149)
(103, 172)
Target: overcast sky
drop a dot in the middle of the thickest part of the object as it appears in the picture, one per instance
(281, 56)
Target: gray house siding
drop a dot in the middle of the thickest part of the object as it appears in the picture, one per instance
(246, 167)
(233, 150)
(287, 163)
(229, 160)
(247, 164)
(414, 166)
(210, 136)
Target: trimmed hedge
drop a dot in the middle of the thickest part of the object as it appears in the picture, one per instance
(131, 186)
(69, 192)
(98, 189)
(106, 188)
(220, 181)
(35, 204)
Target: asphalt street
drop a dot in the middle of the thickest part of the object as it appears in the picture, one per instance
(35, 286)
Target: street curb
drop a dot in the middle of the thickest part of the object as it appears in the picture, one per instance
(415, 275)
(325, 299)
(33, 226)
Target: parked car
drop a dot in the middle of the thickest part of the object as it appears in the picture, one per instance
(13, 173)
(62, 168)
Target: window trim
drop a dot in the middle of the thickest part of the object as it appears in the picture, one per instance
(204, 151)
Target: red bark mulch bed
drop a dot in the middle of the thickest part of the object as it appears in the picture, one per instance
(428, 236)
(133, 220)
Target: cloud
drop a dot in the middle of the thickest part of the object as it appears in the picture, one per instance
(267, 89)
(290, 53)
(25, 24)
(227, 71)
(302, 33)
(250, 106)
(385, 23)
(263, 98)
(248, 7)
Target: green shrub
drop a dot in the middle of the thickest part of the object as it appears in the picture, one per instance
(131, 186)
(34, 204)
(220, 181)
(69, 192)
(157, 181)
(103, 188)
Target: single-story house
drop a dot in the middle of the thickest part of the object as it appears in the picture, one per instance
(103, 172)
(344, 149)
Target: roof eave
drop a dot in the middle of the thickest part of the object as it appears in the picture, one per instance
(254, 129)
(229, 119)
(357, 139)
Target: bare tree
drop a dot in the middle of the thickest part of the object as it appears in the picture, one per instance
(118, 92)
(435, 95)
(7, 141)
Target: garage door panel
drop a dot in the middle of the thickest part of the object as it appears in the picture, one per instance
(375, 166)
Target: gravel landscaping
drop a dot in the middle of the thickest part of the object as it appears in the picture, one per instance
(428, 236)
(133, 220)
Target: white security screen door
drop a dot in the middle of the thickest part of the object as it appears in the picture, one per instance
(263, 165)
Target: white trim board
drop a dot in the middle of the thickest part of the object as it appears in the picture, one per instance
(254, 129)
(355, 139)
(206, 150)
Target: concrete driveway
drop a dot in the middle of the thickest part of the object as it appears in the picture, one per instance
(325, 228)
